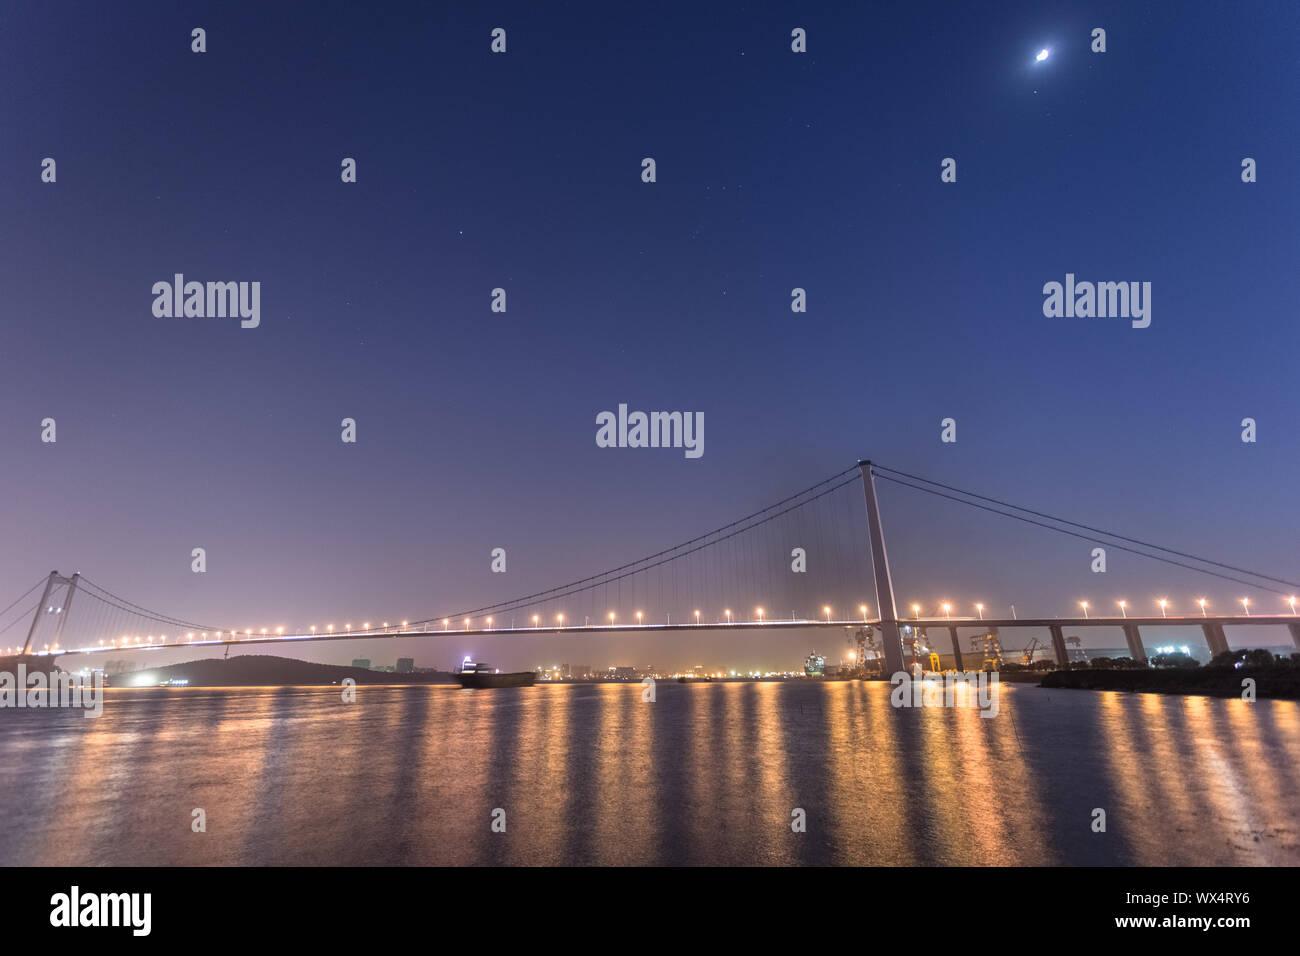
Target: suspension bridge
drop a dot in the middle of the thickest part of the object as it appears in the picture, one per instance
(738, 576)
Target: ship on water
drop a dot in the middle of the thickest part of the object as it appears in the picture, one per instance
(480, 675)
(815, 665)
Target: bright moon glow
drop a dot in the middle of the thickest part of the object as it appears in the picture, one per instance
(1042, 55)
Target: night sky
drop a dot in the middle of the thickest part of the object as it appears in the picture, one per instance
(522, 170)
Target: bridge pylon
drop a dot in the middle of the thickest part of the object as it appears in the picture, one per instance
(891, 640)
(54, 580)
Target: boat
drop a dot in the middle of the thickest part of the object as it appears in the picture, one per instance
(815, 665)
(480, 675)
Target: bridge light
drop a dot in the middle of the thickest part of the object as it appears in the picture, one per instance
(979, 609)
(863, 609)
(827, 612)
(189, 637)
(1202, 602)
(404, 623)
(445, 622)
(1245, 602)
(1162, 602)
(489, 622)
(263, 630)
(534, 620)
(728, 613)
(560, 618)
(347, 627)
(330, 628)
(365, 625)
(279, 630)
(946, 608)
(638, 618)
(313, 628)
(1084, 605)
(916, 611)
(760, 615)
(697, 614)
(1122, 606)
(467, 624)
(1291, 601)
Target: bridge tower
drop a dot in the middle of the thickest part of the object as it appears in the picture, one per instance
(53, 581)
(890, 639)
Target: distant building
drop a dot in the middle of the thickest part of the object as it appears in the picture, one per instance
(362, 662)
(406, 665)
(580, 671)
(624, 673)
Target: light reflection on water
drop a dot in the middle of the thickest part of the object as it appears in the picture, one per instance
(708, 773)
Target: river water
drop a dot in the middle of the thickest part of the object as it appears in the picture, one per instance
(709, 773)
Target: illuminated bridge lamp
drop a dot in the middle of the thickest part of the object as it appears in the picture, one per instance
(1084, 605)
(638, 618)
(916, 611)
(365, 625)
(263, 630)
(1202, 602)
(863, 609)
(330, 628)
(827, 612)
(1245, 602)
(697, 615)
(445, 622)
(946, 608)
(489, 622)
(728, 613)
(1291, 601)
(1122, 608)
(560, 619)
(467, 624)
(979, 609)
(535, 620)
(1163, 604)
(279, 630)
(760, 615)
(313, 628)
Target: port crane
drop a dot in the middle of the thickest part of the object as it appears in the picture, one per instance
(1027, 655)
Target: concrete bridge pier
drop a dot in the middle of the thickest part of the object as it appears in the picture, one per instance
(1134, 638)
(956, 649)
(1217, 640)
(1058, 646)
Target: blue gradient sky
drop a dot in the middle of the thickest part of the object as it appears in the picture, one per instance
(476, 430)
